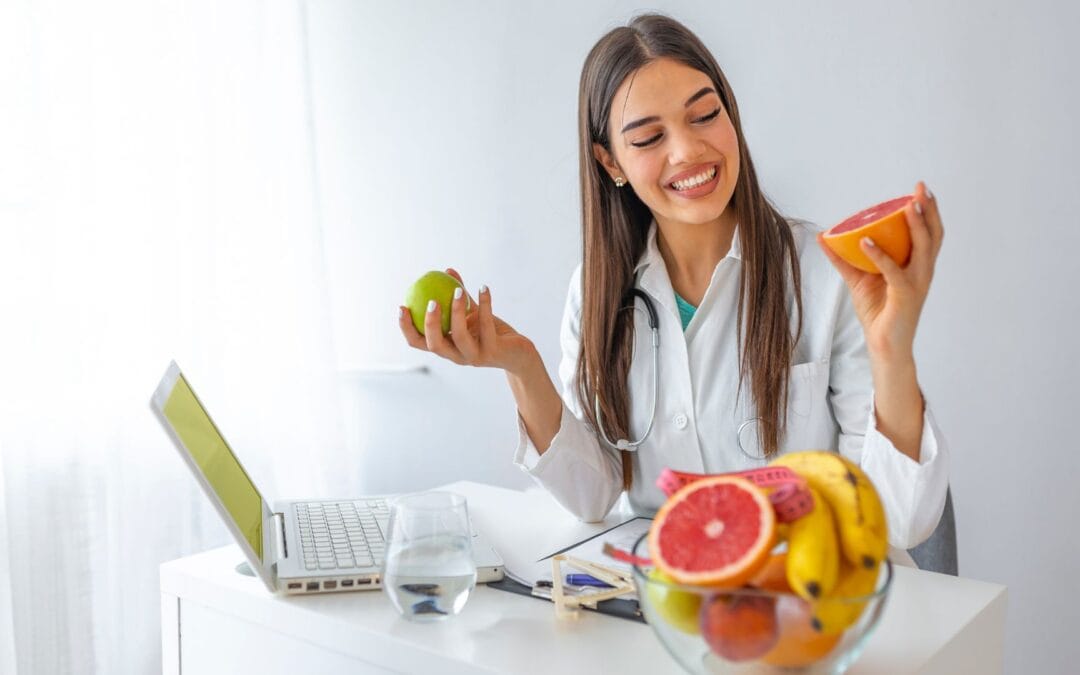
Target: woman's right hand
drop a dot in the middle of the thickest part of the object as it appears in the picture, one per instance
(477, 337)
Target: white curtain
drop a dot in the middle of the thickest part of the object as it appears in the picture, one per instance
(157, 201)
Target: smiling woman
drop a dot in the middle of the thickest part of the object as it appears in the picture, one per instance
(655, 148)
(672, 212)
(663, 113)
(683, 164)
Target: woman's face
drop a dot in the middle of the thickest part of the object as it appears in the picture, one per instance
(674, 143)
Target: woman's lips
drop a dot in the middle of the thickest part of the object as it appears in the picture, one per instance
(699, 191)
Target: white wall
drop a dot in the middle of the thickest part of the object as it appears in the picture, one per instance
(446, 136)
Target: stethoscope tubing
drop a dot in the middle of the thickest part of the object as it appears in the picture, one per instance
(654, 328)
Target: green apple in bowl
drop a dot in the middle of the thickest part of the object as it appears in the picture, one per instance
(437, 286)
(678, 608)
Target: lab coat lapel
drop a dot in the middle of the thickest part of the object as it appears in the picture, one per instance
(652, 277)
(723, 288)
(674, 442)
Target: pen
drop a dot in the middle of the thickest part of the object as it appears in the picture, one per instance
(586, 580)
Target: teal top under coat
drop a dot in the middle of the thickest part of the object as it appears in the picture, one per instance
(686, 311)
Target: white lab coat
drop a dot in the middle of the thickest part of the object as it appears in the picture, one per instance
(700, 409)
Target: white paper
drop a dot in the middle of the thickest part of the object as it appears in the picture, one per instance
(622, 536)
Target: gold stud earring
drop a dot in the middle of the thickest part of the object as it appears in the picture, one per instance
(620, 181)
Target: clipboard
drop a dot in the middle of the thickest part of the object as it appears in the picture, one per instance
(623, 608)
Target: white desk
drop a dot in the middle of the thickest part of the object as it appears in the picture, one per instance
(215, 620)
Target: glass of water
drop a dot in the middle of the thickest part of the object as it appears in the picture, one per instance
(429, 570)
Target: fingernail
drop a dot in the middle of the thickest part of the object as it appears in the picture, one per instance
(868, 242)
(918, 208)
(401, 312)
(929, 195)
(484, 288)
(431, 304)
(457, 293)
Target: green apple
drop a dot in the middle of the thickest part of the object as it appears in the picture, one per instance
(678, 608)
(437, 286)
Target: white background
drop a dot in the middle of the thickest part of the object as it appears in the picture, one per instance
(446, 136)
(157, 201)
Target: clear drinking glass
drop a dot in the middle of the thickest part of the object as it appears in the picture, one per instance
(429, 570)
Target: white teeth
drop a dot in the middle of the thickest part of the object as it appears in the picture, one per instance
(695, 181)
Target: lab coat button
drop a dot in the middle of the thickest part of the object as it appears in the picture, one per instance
(680, 421)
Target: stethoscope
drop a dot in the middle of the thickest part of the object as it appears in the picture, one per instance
(654, 328)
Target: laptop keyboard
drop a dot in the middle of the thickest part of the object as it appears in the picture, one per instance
(337, 535)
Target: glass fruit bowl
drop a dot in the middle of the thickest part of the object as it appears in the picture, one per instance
(755, 630)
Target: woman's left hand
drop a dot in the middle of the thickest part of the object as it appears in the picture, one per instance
(889, 304)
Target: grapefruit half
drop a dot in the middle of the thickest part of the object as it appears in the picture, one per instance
(884, 223)
(717, 531)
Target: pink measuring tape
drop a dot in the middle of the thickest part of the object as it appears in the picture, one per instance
(790, 499)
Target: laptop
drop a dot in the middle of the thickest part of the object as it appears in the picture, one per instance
(298, 547)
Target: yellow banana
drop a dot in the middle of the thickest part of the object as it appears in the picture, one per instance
(837, 612)
(860, 517)
(813, 559)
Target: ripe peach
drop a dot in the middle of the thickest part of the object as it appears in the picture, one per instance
(739, 627)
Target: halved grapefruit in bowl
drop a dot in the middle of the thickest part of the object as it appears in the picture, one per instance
(717, 531)
(885, 223)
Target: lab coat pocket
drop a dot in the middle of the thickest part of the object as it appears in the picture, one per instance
(806, 388)
(807, 407)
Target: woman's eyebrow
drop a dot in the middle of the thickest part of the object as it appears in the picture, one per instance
(701, 92)
(704, 91)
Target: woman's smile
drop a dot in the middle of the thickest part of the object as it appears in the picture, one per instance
(695, 183)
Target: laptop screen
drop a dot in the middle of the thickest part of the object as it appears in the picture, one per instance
(216, 461)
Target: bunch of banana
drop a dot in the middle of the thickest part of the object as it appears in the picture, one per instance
(860, 518)
(847, 519)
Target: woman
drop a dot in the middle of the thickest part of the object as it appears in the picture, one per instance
(764, 347)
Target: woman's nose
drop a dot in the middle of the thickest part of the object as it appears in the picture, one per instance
(686, 147)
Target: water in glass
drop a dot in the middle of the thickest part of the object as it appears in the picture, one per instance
(429, 570)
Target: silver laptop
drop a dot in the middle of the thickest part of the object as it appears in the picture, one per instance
(316, 546)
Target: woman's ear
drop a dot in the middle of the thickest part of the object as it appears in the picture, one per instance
(604, 157)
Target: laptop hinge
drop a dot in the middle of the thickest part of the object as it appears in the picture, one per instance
(281, 549)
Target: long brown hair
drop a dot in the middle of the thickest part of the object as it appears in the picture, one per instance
(615, 225)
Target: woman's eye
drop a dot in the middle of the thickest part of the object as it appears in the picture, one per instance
(708, 118)
(646, 142)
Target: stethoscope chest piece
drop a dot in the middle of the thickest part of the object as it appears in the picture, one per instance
(749, 440)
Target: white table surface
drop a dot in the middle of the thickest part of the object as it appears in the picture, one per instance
(932, 623)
